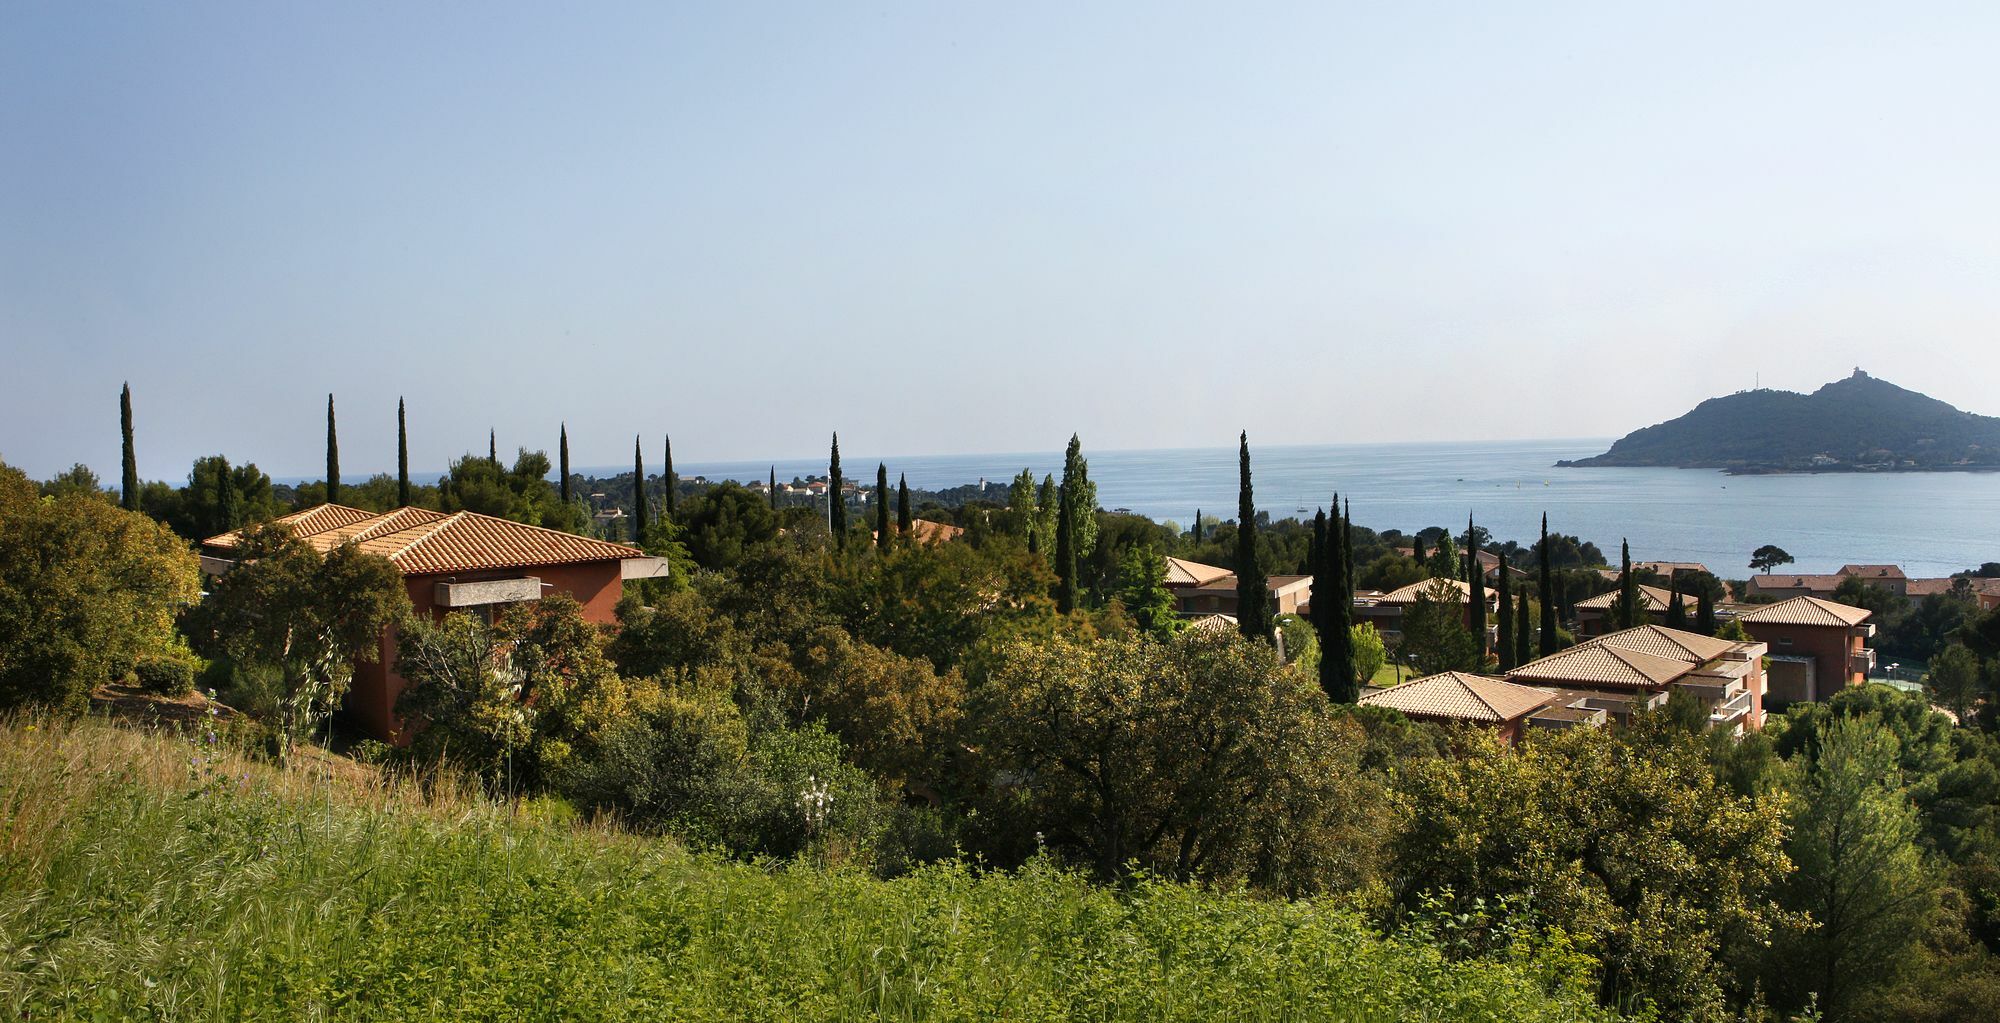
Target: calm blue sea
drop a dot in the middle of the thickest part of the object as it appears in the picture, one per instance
(1930, 523)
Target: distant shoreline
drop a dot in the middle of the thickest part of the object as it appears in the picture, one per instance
(1762, 470)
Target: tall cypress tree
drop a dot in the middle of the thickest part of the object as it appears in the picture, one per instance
(403, 459)
(1324, 585)
(332, 457)
(128, 476)
(1343, 603)
(1548, 586)
(1417, 550)
(1523, 627)
(1197, 525)
(228, 500)
(836, 504)
(492, 446)
(882, 537)
(1677, 613)
(1505, 637)
(1065, 554)
(774, 488)
(668, 479)
(1253, 611)
(640, 518)
(1704, 614)
(1475, 577)
(904, 520)
(563, 445)
(1628, 588)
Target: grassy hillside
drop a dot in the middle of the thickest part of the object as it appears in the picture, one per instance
(141, 879)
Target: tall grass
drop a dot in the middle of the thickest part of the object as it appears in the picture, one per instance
(136, 885)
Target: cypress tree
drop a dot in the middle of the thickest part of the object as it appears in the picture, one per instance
(1065, 555)
(563, 446)
(403, 459)
(1628, 588)
(667, 477)
(774, 488)
(1677, 613)
(1324, 585)
(882, 537)
(1417, 550)
(640, 518)
(1704, 614)
(836, 505)
(1197, 525)
(492, 447)
(1475, 578)
(1505, 637)
(1548, 594)
(228, 501)
(1343, 608)
(1253, 613)
(128, 477)
(332, 457)
(904, 520)
(1523, 641)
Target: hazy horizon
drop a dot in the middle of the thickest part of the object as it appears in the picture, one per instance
(974, 231)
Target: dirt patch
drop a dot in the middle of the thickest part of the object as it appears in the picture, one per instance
(138, 706)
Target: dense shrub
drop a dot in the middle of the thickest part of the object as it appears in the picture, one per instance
(167, 675)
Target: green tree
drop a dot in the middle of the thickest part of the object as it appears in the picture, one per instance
(128, 478)
(1435, 638)
(836, 499)
(1332, 608)
(1145, 594)
(1523, 627)
(1475, 578)
(1370, 653)
(1954, 681)
(332, 457)
(773, 490)
(1677, 614)
(1768, 557)
(1547, 591)
(307, 617)
(1022, 512)
(883, 538)
(1444, 559)
(1082, 500)
(1065, 554)
(403, 459)
(493, 446)
(1048, 505)
(669, 483)
(562, 455)
(1253, 597)
(1858, 873)
(86, 589)
(724, 524)
(642, 519)
(905, 519)
(1704, 615)
(1628, 614)
(1626, 843)
(1504, 638)
(1160, 754)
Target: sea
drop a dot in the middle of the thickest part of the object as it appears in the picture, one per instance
(1932, 524)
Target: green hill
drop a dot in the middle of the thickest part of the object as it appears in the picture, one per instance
(142, 877)
(1856, 424)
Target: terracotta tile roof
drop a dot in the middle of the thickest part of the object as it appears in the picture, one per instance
(1926, 587)
(422, 542)
(1461, 697)
(1807, 611)
(1673, 644)
(1668, 568)
(1829, 583)
(1409, 594)
(1597, 664)
(1872, 571)
(1181, 572)
(310, 522)
(1651, 598)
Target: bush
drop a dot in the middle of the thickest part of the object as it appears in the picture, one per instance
(165, 675)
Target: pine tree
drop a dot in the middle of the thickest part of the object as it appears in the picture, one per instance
(1628, 588)
(669, 480)
(905, 521)
(332, 457)
(882, 536)
(1253, 612)
(1704, 614)
(836, 504)
(563, 447)
(1505, 636)
(128, 478)
(403, 459)
(1065, 555)
(1523, 641)
(1475, 577)
(1548, 587)
(1677, 613)
(640, 518)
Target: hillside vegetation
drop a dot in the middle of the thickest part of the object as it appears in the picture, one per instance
(1856, 423)
(143, 876)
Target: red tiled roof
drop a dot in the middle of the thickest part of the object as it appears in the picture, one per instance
(1181, 572)
(1807, 611)
(312, 521)
(1461, 696)
(422, 542)
(1409, 594)
(1673, 644)
(1651, 598)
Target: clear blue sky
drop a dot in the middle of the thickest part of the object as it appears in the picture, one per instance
(954, 227)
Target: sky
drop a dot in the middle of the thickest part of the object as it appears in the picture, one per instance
(946, 228)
